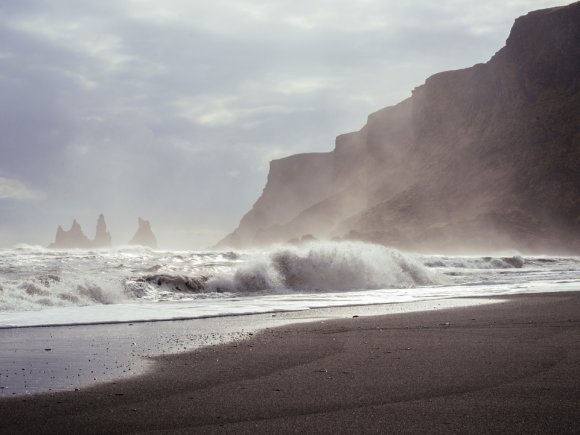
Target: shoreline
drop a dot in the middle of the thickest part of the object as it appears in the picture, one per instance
(43, 359)
(512, 367)
(244, 314)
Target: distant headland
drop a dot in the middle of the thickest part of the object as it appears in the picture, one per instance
(478, 159)
(76, 239)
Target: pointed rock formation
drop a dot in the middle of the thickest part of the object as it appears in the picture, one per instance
(482, 158)
(76, 239)
(144, 235)
(73, 238)
(102, 236)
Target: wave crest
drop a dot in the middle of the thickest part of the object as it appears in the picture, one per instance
(326, 266)
(515, 262)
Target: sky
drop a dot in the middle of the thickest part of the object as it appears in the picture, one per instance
(171, 110)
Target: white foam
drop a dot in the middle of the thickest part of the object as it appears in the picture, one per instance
(327, 266)
(39, 286)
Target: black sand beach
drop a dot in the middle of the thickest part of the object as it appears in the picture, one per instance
(512, 367)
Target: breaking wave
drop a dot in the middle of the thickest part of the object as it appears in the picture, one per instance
(327, 266)
(516, 262)
(34, 278)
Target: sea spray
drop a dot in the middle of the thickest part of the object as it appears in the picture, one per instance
(327, 266)
(34, 278)
(515, 261)
(205, 283)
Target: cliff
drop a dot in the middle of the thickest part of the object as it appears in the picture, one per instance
(486, 157)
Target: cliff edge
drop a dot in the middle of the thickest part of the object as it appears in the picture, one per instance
(486, 157)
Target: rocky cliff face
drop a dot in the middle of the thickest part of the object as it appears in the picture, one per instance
(144, 235)
(486, 157)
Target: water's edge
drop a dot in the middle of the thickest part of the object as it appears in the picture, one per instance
(36, 360)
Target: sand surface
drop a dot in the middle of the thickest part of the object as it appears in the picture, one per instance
(58, 358)
(512, 367)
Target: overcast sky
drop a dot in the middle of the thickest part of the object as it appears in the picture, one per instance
(171, 110)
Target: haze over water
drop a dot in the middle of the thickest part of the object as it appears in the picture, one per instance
(42, 287)
(173, 110)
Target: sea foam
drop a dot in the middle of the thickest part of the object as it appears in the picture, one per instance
(34, 278)
(327, 266)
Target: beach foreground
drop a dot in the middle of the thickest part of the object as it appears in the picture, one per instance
(512, 367)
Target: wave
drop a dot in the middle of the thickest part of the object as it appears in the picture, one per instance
(148, 285)
(327, 266)
(515, 262)
(45, 291)
(36, 280)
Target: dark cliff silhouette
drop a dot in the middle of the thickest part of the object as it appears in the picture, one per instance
(486, 157)
(76, 239)
(144, 235)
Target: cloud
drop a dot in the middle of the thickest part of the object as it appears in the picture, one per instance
(14, 189)
(172, 109)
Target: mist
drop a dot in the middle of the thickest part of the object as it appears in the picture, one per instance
(173, 112)
(317, 209)
(461, 166)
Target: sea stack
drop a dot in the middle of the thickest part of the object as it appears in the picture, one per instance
(102, 236)
(73, 238)
(144, 235)
(76, 239)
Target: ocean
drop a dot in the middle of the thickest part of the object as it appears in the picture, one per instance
(41, 287)
(113, 312)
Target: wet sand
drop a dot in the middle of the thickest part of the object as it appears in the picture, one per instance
(58, 358)
(512, 367)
